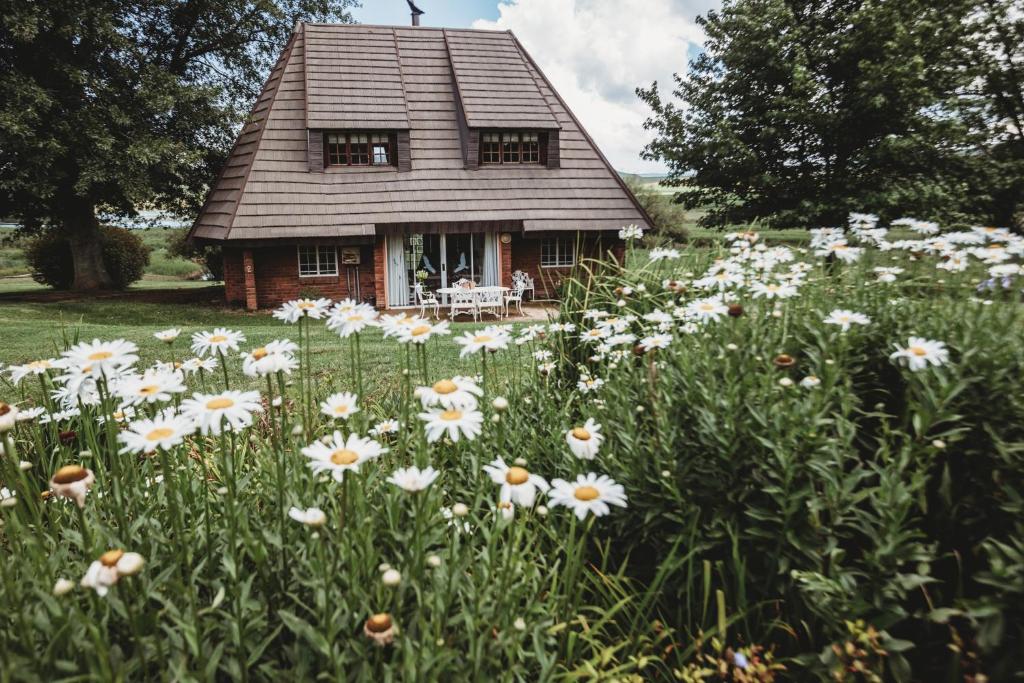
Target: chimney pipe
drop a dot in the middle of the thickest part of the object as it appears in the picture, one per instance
(415, 12)
(415, 19)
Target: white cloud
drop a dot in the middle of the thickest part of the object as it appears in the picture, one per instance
(596, 52)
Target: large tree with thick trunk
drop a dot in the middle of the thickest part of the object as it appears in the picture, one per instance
(107, 106)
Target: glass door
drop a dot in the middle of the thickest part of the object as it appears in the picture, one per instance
(439, 260)
(423, 260)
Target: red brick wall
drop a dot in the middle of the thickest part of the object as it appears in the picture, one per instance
(505, 253)
(526, 257)
(234, 277)
(379, 278)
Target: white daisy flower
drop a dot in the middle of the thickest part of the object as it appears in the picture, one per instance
(422, 330)
(455, 422)
(346, 321)
(518, 485)
(292, 311)
(413, 479)
(491, 338)
(168, 335)
(338, 455)
(711, 308)
(210, 411)
(106, 571)
(841, 250)
(595, 334)
(385, 427)
(194, 365)
(589, 494)
(97, 358)
(810, 382)
(151, 387)
(72, 482)
(663, 254)
(585, 441)
(221, 340)
(277, 356)
(919, 353)
(311, 517)
(587, 384)
(28, 414)
(8, 498)
(457, 392)
(772, 290)
(845, 319)
(631, 232)
(36, 367)
(165, 431)
(340, 406)
(656, 341)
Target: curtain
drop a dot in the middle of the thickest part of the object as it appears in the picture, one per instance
(490, 273)
(398, 282)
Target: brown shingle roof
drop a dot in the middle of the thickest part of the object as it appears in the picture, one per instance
(332, 76)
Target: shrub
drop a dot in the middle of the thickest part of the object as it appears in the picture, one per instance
(669, 218)
(124, 256)
(210, 257)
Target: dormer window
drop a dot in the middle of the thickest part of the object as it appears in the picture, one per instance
(359, 149)
(511, 147)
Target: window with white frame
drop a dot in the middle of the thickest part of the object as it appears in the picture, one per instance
(317, 260)
(557, 252)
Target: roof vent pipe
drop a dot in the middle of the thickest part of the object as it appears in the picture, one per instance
(416, 12)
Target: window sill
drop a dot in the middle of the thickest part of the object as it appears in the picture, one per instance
(322, 276)
(564, 265)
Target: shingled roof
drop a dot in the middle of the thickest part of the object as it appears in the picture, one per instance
(436, 84)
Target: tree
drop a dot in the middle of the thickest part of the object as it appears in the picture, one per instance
(800, 111)
(112, 104)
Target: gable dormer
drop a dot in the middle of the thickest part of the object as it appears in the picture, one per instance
(496, 94)
(354, 89)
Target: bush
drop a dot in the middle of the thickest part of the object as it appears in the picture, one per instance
(124, 256)
(669, 217)
(210, 257)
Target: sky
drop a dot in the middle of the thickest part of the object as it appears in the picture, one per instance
(595, 53)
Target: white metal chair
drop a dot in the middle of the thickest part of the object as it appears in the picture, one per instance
(515, 296)
(465, 283)
(523, 278)
(489, 301)
(425, 298)
(462, 301)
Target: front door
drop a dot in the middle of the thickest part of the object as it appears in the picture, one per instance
(439, 260)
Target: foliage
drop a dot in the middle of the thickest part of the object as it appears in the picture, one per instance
(120, 103)
(209, 256)
(775, 528)
(125, 257)
(800, 112)
(668, 216)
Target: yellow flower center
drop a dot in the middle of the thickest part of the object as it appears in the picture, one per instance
(445, 386)
(707, 307)
(100, 355)
(70, 473)
(378, 623)
(306, 305)
(260, 353)
(344, 456)
(586, 493)
(219, 403)
(340, 410)
(581, 434)
(217, 339)
(159, 433)
(38, 365)
(110, 558)
(451, 415)
(918, 350)
(517, 476)
(420, 330)
(483, 338)
(149, 389)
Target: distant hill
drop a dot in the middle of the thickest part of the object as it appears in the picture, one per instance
(644, 178)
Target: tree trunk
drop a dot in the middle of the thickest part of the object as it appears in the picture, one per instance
(83, 232)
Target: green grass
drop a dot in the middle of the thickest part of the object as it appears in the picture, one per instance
(36, 330)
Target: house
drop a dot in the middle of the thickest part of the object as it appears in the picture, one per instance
(378, 154)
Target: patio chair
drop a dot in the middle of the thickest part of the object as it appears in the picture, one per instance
(465, 283)
(462, 301)
(515, 296)
(424, 298)
(522, 277)
(489, 301)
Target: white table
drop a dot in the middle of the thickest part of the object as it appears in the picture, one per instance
(477, 290)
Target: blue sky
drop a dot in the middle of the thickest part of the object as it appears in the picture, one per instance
(595, 52)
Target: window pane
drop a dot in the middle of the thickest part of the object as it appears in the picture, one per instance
(359, 149)
(328, 261)
(510, 148)
(531, 148)
(336, 154)
(380, 153)
(307, 261)
(491, 148)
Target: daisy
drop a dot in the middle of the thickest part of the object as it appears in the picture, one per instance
(702, 310)
(168, 335)
(772, 290)
(164, 431)
(585, 441)
(291, 311)
(413, 479)
(72, 482)
(841, 250)
(391, 325)
(810, 382)
(919, 353)
(590, 493)
(595, 334)
(348, 321)
(340, 406)
(311, 517)
(587, 384)
(385, 427)
(106, 571)
(631, 232)
(454, 422)
(845, 319)
(210, 411)
(98, 358)
(221, 340)
(36, 367)
(337, 455)
(194, 365)
(29, 414)
(152, 387)
(491, 338)
(457, 392)
(277, 356)
(421, 331)
(887, 274)
(663, 254)
(518, 485)
(8, 417)
(7, 498)
(656, 341)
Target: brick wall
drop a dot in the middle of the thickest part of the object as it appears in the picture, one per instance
(526, 257)
(234, 277)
